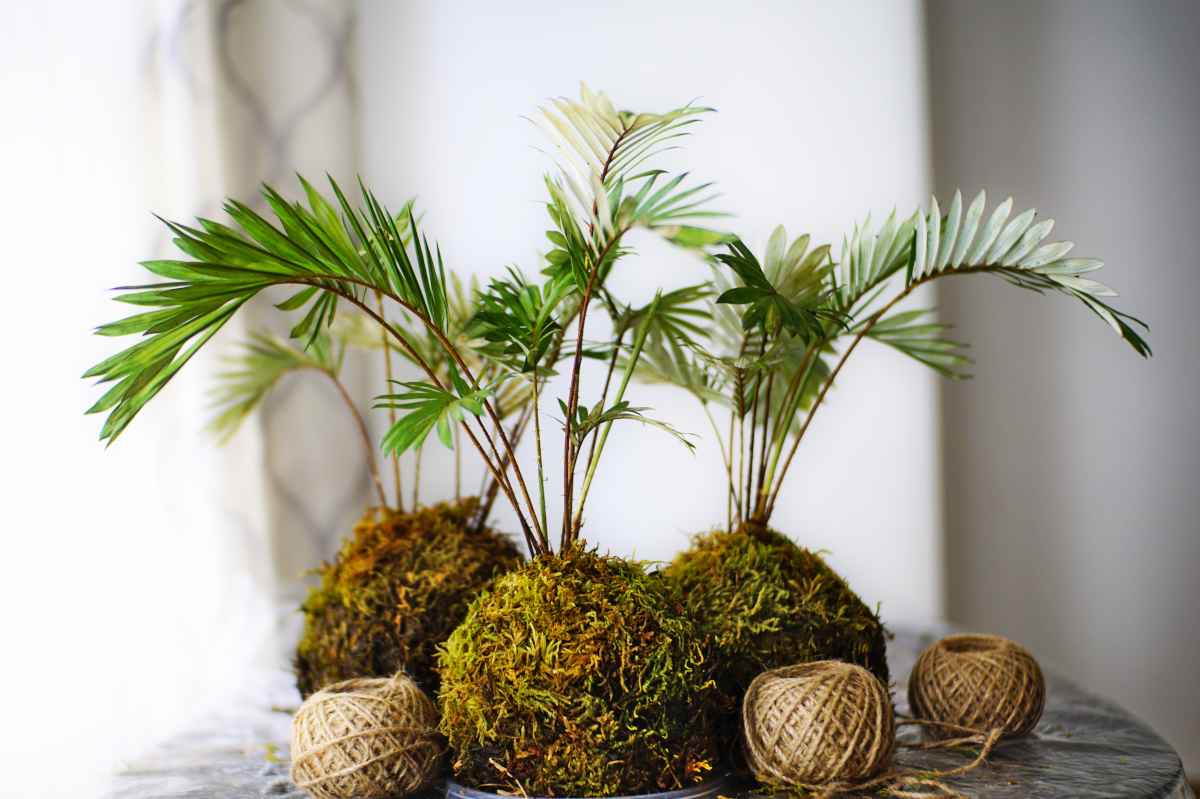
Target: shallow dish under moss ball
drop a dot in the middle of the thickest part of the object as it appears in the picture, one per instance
(764, 602)
(397, 589)
(578, 675)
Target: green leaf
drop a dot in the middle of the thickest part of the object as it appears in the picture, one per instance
(1013, 250)
(426, 407)
(911, 333)
(693, 237)
(588, 421)
(517, 320)
(256, 368)
(326, 256)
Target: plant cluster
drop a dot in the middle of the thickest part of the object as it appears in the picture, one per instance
(578, 675)
(397, 589)
(803, 314)
(778, 333)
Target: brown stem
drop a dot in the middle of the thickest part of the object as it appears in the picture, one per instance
(492, 488)
(450, 349)
(416, 492)
(417, 359)
(387, 366)
(361, 424)
(754, 422)
(862, 332)
(612, 365)
(736, 501)
(573, 395)
(457, 464)
(762, 457)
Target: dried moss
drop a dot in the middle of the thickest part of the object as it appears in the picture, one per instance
(578, 675)
(763, 602)
(397, 589)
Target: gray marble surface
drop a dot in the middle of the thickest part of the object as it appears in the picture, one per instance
(1083, 748)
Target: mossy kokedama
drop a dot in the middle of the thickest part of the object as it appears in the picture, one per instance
(397, 589)
(763, 602)
(578, 675)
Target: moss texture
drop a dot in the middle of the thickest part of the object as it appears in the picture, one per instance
(578, 675)
(761, 602)
(397, 589)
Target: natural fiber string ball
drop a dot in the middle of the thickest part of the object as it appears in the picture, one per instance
(817, 723)
(980, 682)
(365, 739)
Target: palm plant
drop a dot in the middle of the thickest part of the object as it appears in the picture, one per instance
(801, 315)
(781, 330)
(480, 369)
(338, 255)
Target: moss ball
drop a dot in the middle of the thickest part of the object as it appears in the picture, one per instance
(578, 675)
(397, 589)
(763, 602)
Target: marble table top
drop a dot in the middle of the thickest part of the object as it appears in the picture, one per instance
(1083, 748)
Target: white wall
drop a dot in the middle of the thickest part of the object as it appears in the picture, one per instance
(810, 132)
(1073, 515)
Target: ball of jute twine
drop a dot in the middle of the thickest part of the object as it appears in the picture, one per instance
(817, 723)
(827, 728)
(365, 739)
(976, 683)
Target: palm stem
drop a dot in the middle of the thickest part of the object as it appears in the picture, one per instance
(450, 350)
(863, 330)
(612, 364)
(725, 462)
(791, 401)
(416, 489)
(733, 452)
(598, 444)
(457, 464)
(491, 486)
(387, 368)
(569, 457)
(762, 457)
(537, 437)
(495, 469)
(361, 424)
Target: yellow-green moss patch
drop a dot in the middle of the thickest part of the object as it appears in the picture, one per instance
(400, 584)
(761, 602)
(578, 675)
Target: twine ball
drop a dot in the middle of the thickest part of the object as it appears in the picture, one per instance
(980, 682)
(817, 723)
(365, 739)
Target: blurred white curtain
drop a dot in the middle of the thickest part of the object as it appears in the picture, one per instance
(152, 576)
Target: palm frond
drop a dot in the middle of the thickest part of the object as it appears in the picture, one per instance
(428, 407)
(679, 314)
(869, 258)
(516, 319)
(916, 335)
(601, 153)
(790, 297)
(330, 258)
(588, 421)
(256, 368)
(665, 361)
(1015, 250)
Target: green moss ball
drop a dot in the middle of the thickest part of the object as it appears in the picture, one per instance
(762, 602)
(578, 675)
(397, 589)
